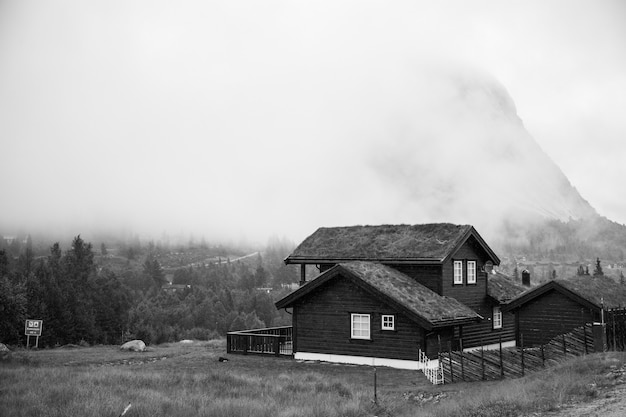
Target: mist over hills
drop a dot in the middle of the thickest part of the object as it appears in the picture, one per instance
(442, 143)
(491, 172)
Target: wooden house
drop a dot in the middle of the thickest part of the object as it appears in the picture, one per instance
(559, 306)
(387, 294)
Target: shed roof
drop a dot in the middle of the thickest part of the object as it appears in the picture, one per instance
(503, 288)
(426, 243)
(592, 291)
(426, 307)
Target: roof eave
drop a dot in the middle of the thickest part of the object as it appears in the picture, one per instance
(456, 321)
(386, 261)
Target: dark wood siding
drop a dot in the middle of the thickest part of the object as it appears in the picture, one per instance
(427, 275)
(483, 333)
(475, 297)
(549, 315)
(323, 324)
(472, 295)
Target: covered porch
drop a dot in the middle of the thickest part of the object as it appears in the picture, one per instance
(275, 341)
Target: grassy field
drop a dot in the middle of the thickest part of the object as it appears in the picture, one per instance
(188, 380)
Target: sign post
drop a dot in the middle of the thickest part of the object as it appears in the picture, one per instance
(33, 328)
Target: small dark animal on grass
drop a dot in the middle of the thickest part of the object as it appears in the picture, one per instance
(221, 359)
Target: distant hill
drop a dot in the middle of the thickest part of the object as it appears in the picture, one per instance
(471, 160)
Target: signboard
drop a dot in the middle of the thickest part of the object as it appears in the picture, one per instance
(33, 327)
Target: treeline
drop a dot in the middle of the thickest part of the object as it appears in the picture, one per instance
(570, 241)
(93, 297)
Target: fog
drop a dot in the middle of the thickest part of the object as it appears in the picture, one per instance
(241, 120)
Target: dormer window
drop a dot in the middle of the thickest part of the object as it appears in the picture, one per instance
(458, 272)
(471, 272)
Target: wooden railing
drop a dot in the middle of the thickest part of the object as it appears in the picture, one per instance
(269, 341)
(432, 369)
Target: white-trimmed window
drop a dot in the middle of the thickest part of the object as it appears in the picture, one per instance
(388, 322)
(458, 272)
(497, 318)
(471, 272)
(360, 326)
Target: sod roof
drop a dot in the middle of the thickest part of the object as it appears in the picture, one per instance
(391, 286)
(503, 288)
(422, 242)
(597, 289)
(593, 291)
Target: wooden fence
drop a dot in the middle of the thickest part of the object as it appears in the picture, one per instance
(481, 365)
(270, 341)
(615, 328)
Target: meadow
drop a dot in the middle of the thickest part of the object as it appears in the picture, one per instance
(188, 380)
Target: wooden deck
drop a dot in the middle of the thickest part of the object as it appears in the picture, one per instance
(275, 341)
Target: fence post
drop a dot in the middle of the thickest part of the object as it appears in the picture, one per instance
(522, 343)
(247, 340)
(482, 359)
(501, 364)
(277, 346)
(462, 365)
(228, 343)
(543, 358)
(450, 359)
(613, 318)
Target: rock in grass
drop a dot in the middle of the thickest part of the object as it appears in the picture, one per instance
(5, 353)
(134, 345)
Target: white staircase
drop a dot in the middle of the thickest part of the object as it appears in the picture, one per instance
(431, 368)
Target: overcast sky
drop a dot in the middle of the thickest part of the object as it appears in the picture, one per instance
(235, 119)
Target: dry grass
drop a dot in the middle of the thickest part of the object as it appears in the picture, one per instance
(191, 382)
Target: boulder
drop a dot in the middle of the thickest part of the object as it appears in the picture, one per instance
(5, 353)
(134, 345)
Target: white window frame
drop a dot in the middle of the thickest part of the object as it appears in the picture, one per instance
(471, 272)
(388, 322)
(457, 267)
(360, 326)
(497, 317)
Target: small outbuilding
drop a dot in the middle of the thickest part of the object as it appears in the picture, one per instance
(559, 306)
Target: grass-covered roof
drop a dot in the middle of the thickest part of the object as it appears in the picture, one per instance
(432, 241)
(426, 307)
(597, 289)
(503, 288)
(415, 297)
(593, 291)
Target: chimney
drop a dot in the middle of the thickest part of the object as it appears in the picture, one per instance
(526, 278)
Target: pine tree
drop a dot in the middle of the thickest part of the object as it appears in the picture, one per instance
(598, 271)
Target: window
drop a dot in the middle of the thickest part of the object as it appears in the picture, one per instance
(471, 272)
(388, 322)
(360, 326)
(458, 272)
(497, 318)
